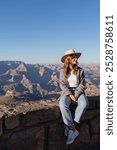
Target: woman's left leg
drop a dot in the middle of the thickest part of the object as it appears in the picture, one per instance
(82, 105)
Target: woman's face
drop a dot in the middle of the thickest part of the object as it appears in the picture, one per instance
(73, 60)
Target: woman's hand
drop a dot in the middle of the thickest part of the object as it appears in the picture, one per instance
(72, 97)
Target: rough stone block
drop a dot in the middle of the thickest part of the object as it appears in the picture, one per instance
(41, 116)
(84, 134)
(27, 139)
(92, 104)
(95, 125)
(11, 122)
(0, 127)
(89, 114)
(95, 139)
(98, 103)
(56, 138)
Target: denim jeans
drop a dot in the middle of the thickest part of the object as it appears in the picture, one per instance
(64, 105)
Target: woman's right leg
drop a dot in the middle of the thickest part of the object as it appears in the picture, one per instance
(64, 105)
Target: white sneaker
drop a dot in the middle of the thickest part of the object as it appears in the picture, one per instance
(71, 136)
(66, 131)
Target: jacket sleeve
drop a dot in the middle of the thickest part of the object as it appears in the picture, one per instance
(63, 84)
(82, 85)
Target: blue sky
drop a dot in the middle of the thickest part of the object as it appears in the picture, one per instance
(40, 31)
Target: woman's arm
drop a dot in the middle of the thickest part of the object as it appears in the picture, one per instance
(82, 85)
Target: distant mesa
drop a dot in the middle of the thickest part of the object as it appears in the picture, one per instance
(26, 83)
(41, 71)
(12, 72)
(21, 68)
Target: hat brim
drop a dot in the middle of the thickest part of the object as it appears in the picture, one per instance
(65, 56)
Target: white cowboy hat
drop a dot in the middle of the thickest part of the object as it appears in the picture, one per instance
(70, 52)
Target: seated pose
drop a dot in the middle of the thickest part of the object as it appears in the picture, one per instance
(72, 84)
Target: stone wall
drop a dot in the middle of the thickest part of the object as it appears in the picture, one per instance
(42, 129)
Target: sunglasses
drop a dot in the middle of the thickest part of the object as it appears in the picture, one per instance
(74, 56)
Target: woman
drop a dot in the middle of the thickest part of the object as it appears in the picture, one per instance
(72, 83)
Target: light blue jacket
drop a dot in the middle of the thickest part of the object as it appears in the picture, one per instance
(81, 83)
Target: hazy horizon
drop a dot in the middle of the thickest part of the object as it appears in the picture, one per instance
(60, 63)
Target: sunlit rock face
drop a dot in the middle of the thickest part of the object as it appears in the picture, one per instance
(28, 81)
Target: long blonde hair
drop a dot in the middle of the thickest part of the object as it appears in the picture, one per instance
(66, 67)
